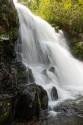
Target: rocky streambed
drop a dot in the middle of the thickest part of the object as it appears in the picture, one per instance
(69, 112)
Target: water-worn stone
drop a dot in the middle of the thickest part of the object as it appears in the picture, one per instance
(52, 69)
(71, 107)
(24, 75)
(70, 112)
(32, 98)
(54, 94)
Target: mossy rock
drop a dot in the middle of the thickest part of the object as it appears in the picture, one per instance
(24, 75)
(31, 100)
(8, 29)
(6, 113)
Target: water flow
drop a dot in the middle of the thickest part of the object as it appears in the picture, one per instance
(47, 54)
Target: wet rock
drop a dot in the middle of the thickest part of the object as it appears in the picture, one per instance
(44, 72)
(63, 118)
(52, 69)
(54, 94)
(21, 73)
(24, 75)
(31, 78)
(45, 75)
(42, 96)
(12, 76)
(8, 79)
(31, 100)
(6, 110)
(71, 107)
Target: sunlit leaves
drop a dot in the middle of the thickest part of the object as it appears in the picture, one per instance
(81, 2)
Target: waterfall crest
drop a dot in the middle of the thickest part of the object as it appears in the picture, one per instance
(43, 48)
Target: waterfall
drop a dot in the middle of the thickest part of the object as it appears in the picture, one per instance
(42, 48)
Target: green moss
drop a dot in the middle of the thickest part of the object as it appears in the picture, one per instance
(5, 111)
(13, 33)
(77, 50)
(44, 103)
(37, 106)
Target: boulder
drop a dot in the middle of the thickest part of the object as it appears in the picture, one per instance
(54, 94)
(71, 107)
(52, 69)
(24, 75)
(31, 100)
(70, 112)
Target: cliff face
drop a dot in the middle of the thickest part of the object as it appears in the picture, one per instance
(8, 37)
(13, 74)
(8, 30)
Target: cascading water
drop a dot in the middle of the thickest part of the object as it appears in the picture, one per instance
(43, 48)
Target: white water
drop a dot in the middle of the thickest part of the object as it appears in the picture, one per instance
(42, 48)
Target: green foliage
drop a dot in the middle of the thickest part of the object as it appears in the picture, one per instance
(77, 49)
(65, 14)
(69, 17)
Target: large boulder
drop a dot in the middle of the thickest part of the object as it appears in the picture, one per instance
(70, 112)
(31, 100)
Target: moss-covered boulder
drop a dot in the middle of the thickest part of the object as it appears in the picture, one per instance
(24, 75)
(31, 100)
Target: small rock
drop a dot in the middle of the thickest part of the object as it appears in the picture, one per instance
(54, 94)
(52, 69)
